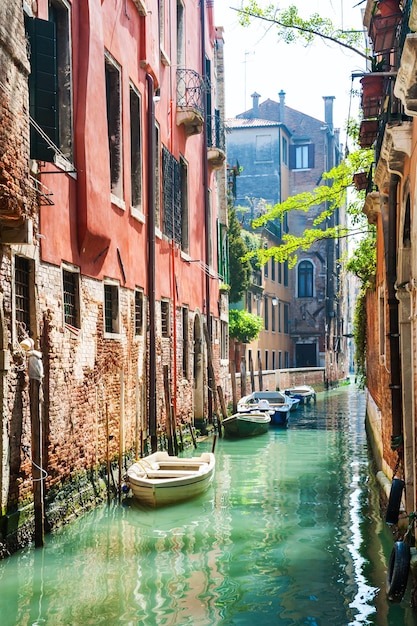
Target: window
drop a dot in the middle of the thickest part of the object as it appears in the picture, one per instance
(114, 129)
(157, 179)
(138, 312)
(266, 270)
(273, 315)
(266, 360)
(165, 322)
(302, 157)
(175, 198)
(50, 83)
(305, 279)
(285, 151)
(274, 360)
(59, 14)
(185, 343)
(286, 359)
(272, 269)
(266, 313)
(111, 308)
(279, 318)
(22, 274)
(135, 149)
(184, 205)
(285, 273)
(71, 295)
(249, 301)
(280, 360)
(180, 35)
(263, 148)
(286, 319)
(224, 344)
(280, 273)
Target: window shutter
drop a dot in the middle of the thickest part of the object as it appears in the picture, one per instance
(311, 155)
(292, 157)
(43, 86)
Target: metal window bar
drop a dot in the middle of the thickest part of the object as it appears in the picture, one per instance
(22, 291)
(165, 318)
(138, 313)
(70, 283)
(172, 196)
(216, 135)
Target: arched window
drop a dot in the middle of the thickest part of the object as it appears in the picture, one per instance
(305, 279)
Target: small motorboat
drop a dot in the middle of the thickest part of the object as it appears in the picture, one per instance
(278, 404)
(304, 393)
(160, 479)
(247, 423)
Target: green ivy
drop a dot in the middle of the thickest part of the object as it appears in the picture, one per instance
(244, 326)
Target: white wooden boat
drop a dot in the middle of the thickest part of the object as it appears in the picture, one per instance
(160, 479)
(303, 392)
(276, 403)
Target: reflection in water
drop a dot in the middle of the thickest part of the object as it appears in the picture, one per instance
(289, 533)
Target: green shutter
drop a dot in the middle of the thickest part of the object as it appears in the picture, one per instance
(43, 86)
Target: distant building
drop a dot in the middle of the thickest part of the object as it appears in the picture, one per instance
(283, 152)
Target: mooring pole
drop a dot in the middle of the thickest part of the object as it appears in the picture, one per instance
(36, 427)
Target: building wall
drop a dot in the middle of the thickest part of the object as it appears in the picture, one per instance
(98, 392)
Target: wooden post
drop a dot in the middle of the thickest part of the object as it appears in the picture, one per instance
(210, 368)
(242, 377)
(252, 374)
(193, 435)
(260, 374)
(121, 433)
(232, 367)
(223, 408)
(168, 410)
(107, 453)
(37, 477)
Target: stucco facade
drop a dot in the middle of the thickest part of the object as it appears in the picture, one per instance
(115, 162)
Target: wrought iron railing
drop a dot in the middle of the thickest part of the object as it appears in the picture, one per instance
(190, 90)
(216, 136)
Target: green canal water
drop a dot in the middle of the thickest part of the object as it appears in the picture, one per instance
(289, 533)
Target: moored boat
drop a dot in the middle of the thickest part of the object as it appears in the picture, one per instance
(247, 423)
(276, 402)
(304, 393)
(160, 479)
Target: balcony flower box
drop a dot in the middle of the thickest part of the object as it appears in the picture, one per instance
(360, 180)
(388, 7)
(368, 132)
(383, 32)
(373, 88)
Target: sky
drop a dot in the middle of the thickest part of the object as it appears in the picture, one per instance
(256, 61)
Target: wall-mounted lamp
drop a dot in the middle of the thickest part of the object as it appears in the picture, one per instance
(157, 95)
(275, 301)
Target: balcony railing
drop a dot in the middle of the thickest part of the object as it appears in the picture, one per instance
(216, 140)
(190, 100)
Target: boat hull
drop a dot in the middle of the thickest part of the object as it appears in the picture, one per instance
(246, 424)
(304, 393)
(161, 480)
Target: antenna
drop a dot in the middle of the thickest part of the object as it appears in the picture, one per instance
(245, 62)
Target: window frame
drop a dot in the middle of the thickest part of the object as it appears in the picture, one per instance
(74, 271)
(114, 285)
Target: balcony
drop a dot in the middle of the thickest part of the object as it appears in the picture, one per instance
(216, 141)
(190, 101)
(368, 133)
(384, 26)
(395, 148)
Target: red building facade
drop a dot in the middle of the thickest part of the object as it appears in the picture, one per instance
(116, 281)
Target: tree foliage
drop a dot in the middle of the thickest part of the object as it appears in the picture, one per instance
(239, 265)
(292, 27)
(244, 326)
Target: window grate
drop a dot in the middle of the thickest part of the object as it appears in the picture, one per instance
(22, 291)
(172, 196)
(70, 286)
(138, 313)
(165, 318)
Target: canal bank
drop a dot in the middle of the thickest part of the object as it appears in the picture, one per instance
(290, 533)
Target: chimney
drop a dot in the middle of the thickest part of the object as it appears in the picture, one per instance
(255, 105)
(281, 106)
(328, 111)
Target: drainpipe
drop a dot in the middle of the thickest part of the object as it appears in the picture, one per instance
(151, 262)
(394, 335)
(206, 201)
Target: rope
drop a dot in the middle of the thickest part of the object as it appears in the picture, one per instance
(409, 536)
(45, 473)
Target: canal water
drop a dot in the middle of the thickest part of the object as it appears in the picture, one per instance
(290, 534)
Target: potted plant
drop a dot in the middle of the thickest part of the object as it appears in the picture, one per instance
(368, 132)
(388, 7)
(360, 180)
(383, 28)
(373, 89)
